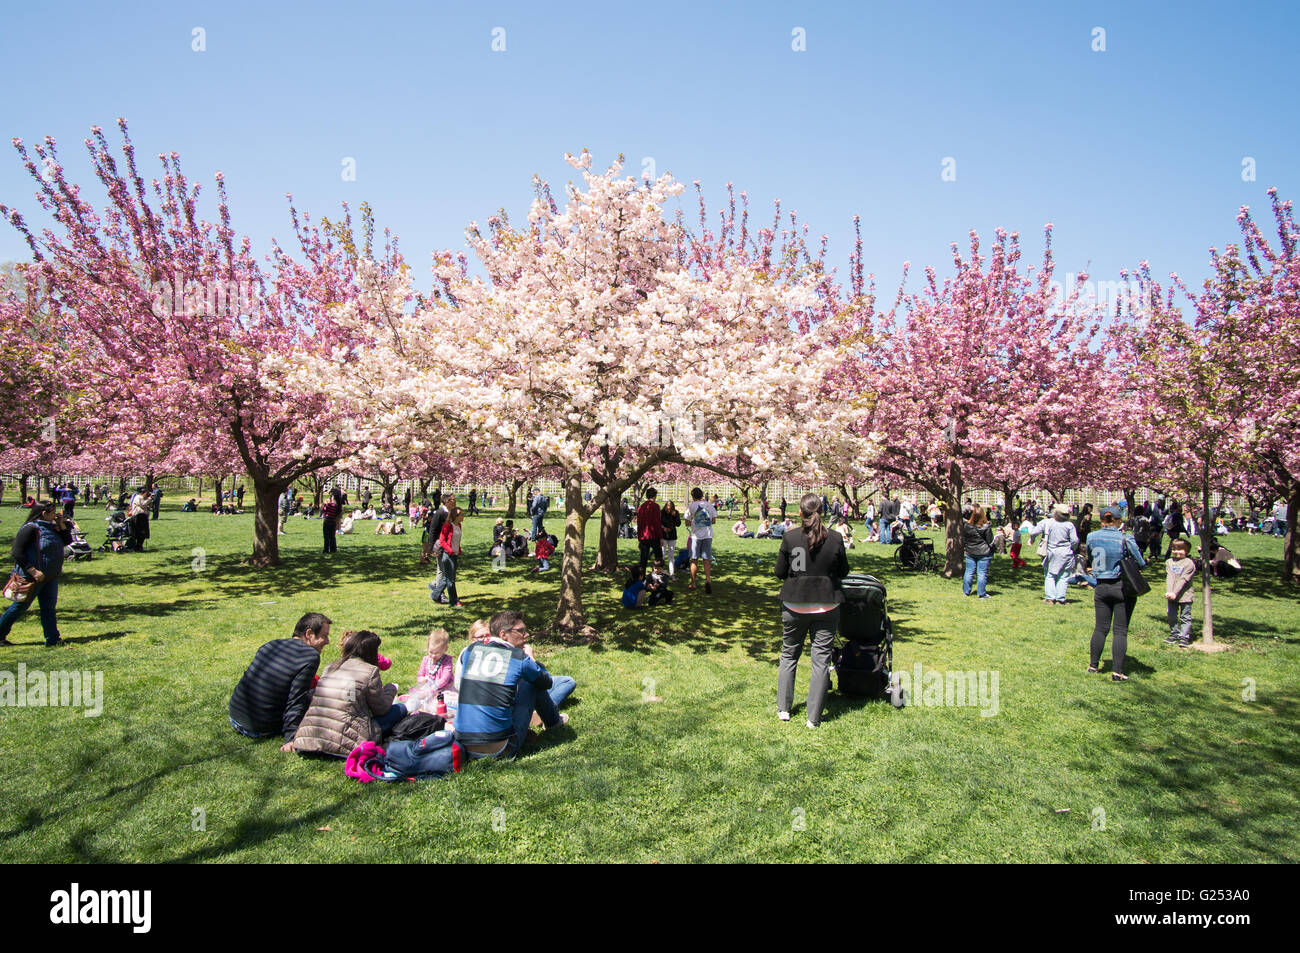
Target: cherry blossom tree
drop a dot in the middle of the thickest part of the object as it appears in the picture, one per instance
(1221, 386)
(978, 377)
(597, 343)
(179, 317)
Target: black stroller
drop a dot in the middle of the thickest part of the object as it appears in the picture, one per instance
(119, 539)
(864, 652)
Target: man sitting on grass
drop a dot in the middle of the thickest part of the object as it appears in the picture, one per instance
(273, 695)
(501, 684)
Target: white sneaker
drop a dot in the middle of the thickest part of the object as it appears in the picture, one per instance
(810, 724)
(783, 715)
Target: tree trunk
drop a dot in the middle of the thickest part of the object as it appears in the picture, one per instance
(200, 492)
(1008, 503)
(1291, 544)
(569, 617)
(22, 488)
(424, 487)
(955, 552)
(746, 513)
(266, 523)
(1207, 528)
(512, 488)
(607, 552)
(219, 481)
(1130, 497)
(148, 482)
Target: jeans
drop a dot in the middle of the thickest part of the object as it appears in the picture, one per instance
(527, 700)
(447, 581)
(47, 593)
(976, 564)
(1111, 606)
(1056, 585)
(390, 718)
(247, 733)
(886, 531)
(537, 526)
(795, 629)
(1179, 616)
(869, 524)
(1279, 527)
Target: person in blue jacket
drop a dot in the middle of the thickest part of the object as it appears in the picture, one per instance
(38, 555)
(501, 685)
(1112, 606)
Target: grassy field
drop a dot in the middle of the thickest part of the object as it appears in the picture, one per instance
(1176, 765)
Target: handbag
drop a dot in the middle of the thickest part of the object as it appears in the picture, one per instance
(19, 587)
(1130, 573)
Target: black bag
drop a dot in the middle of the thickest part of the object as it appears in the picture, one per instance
(861, 669)
(1130, 573)
(416, 725)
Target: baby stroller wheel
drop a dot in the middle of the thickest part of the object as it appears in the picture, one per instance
(898, 559)
(897, 693)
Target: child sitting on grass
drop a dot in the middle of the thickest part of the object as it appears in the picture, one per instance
(635, 595)
(1180, 582)
(657, 585)
(436, 668)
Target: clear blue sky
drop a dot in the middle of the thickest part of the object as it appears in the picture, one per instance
(1135, 152)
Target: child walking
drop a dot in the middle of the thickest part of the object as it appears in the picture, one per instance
(1180, 583)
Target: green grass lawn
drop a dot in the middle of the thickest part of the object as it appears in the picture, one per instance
(1173, 766)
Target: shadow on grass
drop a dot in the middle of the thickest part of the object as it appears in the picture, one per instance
(1196, 772)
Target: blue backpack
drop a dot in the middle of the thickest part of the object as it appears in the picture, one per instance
(682, 560)
(433, 756)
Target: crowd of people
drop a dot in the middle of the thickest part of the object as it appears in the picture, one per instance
(1076, 546)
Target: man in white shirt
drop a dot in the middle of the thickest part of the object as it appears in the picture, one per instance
(700, 516)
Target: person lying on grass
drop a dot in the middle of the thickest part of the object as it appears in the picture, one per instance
(275, 691)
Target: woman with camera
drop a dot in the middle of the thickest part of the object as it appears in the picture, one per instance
(38, 558)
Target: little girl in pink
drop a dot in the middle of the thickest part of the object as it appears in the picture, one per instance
(437, 668)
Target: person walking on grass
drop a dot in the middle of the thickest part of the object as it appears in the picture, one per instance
(1113, 606)
(448, 550)
(670, 520)
(38, 557)
(1060, 541)
(329, 512)
(700, 516)
(977, 541)
(812, 562)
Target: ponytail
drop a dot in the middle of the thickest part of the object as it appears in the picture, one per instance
(810, 508)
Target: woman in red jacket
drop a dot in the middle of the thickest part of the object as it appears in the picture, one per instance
(448, 552)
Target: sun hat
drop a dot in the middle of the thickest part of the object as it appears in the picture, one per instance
(1060, 509)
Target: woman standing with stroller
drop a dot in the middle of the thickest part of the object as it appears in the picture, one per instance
(812, 562)
(38, 556)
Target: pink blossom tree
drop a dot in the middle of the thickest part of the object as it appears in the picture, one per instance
(180, 316)
(595, 344)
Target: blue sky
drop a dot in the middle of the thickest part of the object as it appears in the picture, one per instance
(1135, 152)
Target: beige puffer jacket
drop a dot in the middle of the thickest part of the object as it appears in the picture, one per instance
(347, 699)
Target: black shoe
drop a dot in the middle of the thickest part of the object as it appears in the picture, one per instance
(708, 588)
(59, 641)
(1172, 639)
